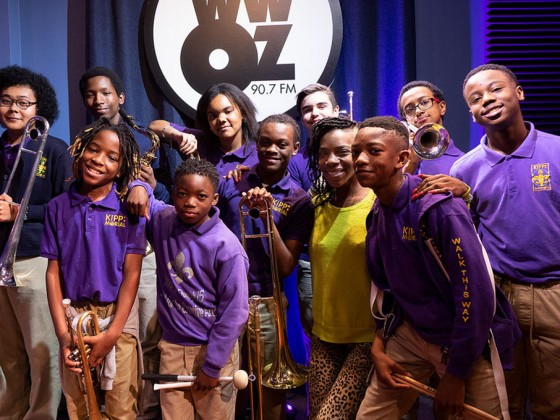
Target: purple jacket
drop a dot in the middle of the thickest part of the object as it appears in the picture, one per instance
(455, 313)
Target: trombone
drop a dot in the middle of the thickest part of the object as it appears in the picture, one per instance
(283, 372)
(36, 129)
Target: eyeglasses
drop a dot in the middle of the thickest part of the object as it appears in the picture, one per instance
(423, 105)
(22, 104)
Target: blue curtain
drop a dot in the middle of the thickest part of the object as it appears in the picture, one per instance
(113, 41)
(377, 57)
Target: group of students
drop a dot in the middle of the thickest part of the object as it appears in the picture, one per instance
(381, 232)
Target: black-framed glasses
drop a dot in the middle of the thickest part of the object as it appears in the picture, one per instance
(423, 105)
(22, 104)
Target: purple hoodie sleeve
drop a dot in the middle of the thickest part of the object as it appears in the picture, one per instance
(232, 313)
(471, 285)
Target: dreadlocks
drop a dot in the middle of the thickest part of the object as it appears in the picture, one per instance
(129, 167)
(322, 190)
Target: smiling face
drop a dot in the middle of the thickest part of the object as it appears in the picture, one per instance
(315, 107)
(102, 100)
(493, 99)
(379, 156)
(225, 120)
(14, 118)
(194, 196)
(417, 95)
(100, 163)
(275, 147)
(335, 157)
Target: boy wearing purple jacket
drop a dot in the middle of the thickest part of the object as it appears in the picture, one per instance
(444, 322)
(201, 294)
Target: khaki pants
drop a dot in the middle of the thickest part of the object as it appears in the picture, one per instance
(121, 401)
(149, 334)
(536, 362)
(29, 379)
(422, 359)
(183, 403)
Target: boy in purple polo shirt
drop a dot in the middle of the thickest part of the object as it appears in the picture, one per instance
(202, 294)
(513, 174)
(292, 211)
(445, 322)
(95, 255)
(420, 103)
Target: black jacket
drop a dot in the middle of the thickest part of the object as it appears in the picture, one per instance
(53, 178)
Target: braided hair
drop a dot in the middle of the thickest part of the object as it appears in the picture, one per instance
(129, 167)
(322, 190)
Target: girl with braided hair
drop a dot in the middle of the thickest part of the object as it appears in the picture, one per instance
(342, 323)
(95, 253)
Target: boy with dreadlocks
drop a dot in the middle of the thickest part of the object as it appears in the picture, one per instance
(95, 255)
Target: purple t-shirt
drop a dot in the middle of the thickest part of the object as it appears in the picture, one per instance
(443, 164)
(516, 205)
(292, 212)
(456, 313)
(202, 283)
(297, 167)
(90, 240)
(246, 155)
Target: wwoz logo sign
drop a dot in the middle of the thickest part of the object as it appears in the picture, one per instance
(270, 49)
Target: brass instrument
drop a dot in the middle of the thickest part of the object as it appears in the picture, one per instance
(255, 329)
(36, 129)
(430, 141)
(350, 105)
(149, 155)
(81, 354)
(283, 373)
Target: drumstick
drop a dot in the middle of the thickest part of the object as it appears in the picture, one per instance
(431, 392)
(240, 380)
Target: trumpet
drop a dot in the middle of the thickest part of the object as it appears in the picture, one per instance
(36, 129)
(283, 373)
(81, 354)
(430, 141)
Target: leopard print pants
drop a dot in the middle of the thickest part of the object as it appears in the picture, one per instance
(338, 378)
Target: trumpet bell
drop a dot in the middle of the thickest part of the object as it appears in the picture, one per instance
(431, 141)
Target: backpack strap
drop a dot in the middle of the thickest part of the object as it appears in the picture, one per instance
(496, 362)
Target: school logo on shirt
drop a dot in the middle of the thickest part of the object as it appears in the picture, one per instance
(540, 177)
(408, 234)
(270, 49)
(280, 207)
(42, 168)
(177, 269)
(117, 220)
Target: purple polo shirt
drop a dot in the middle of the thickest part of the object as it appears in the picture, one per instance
(443, 164)
(90, 240)
(516, 205)
(456, 313)
(292, 212)
(297, 167)
(202, 283)
(246, 155)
